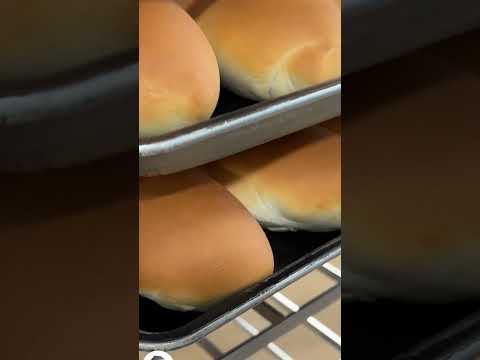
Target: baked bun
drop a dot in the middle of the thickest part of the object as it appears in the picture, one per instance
(271, 48)
(179, 81)
(44, 38)
(290, 183)
(198, 244)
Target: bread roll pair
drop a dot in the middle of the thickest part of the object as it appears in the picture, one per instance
(197, 242)
(40, 39)
(265, 49)
(271, 48)
(293, 183)
(179, 82)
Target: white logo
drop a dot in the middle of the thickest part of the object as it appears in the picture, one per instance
(157, 355)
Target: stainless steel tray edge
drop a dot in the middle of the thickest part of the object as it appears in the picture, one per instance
(67, 98)
(240, 130)
(78, 119)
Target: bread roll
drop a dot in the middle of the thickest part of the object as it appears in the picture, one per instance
(198, 244)
(43, 38)
(288, 184)
(270, 48)
(179, 81)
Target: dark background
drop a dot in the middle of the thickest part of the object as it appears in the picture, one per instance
(69, 262)
(426, 103)
(69, 244)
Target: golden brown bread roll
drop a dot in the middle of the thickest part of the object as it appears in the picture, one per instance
(43, 38)
(198, 244)
(179, 80)
(270, 48)
(291, 183)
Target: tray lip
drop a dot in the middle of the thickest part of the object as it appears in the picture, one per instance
(66, 93)
(167, 143)
(325, 252)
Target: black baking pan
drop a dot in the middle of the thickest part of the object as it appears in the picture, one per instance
(392, 330)
(86, 114)
(295, 255)
(374, 31)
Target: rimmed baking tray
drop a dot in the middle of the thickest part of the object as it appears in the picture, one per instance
(295, 253)
(76, 117)
(237, 125)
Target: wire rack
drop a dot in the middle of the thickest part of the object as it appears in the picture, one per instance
(283, 315)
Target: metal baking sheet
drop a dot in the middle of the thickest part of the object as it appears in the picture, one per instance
(295, 253)
(80, 116)
(231, 132)
(374, 31)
